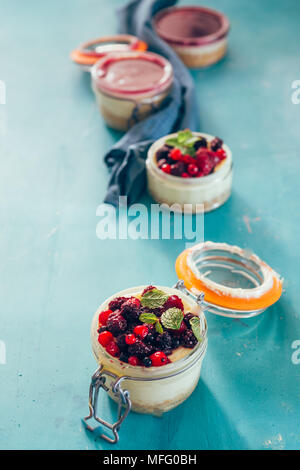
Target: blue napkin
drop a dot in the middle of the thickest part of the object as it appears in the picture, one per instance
(127, 158)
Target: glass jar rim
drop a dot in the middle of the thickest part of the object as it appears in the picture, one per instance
(100, 67)
(152, 373)
(192, 41)
(225, 166)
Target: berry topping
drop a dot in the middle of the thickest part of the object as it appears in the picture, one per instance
(147, 362)
(130, 310)
(188, 339)
(200, 143)
(166, 168)
(133, 361)
(174, 301)
(216, 144)
(112, 349)
(140, 349)
(121, 342)
(147, 289)
(103, 316)
(105, 337)
(177, 169)
(101, 329)
(164, 341)
(175, 154)
(192, 169)
(141, 331)
(187, 318)
(188, 156)
(130, 339)
(117, 303)
(123, 357)
(158, 358)
(116, 323)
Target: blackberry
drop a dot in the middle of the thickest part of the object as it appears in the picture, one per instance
(140, 349)
(101, 329)
(147, 362)
(202, 142)
(163, 152)
(151, 336)
(117, 303)
(168, 352)
(175, 342)
(164, 341)
(116, 324)
(187, 318)
(131, 311)
(120, 340)
(177, 169)
(188, 339)
(124, 357)
(216, 144)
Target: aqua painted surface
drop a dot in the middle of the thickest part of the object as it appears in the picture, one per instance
(55, 271)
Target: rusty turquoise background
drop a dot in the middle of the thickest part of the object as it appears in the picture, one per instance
(55, 271)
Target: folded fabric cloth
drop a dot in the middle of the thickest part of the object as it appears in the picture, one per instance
(127, 158)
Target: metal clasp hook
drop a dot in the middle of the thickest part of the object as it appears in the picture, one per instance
(199, 299)
(124, 403)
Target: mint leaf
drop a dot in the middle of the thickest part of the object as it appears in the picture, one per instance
(154, 298)
(148, 317)
(172, 318)
(183, 136)
(158, 327)
(195, 325)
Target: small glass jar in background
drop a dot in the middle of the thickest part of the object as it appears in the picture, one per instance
(212, 190)
(198, 35)
(130, 86)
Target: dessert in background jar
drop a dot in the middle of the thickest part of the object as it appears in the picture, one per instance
(198, 35)
(88, 53)
(190, 168)
(130, 86)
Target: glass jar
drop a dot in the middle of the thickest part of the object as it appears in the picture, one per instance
(211, 191)
(130, 86)
(198, 35)
(153, 390)
(88, 53)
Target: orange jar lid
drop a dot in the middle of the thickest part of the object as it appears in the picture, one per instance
(235, 282)
(88, 53)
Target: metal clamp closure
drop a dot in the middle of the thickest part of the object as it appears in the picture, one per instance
(124, 403)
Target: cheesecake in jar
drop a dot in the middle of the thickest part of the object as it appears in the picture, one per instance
(190, 171)
(197, 34)
(130, 86)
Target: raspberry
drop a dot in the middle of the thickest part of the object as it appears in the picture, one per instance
(205, 161)
(140, 349)
(158, 358)
(130, 310)
(166, 168)
(164, 341)
(188, 339)
(117, 303)
(104, 338)
(147, 289)
(175, 154)
(216, 144)
(182, 328)
(121, 342)
(141, 331)
(112, 349)
(130, 339)
(202, 142)
(177, 169)
(174, 301)
(185, 175)
(188, 159)
(103, 316)
(116, 323)
(221, 154)
(133, 361)
(193, 170)
(163, 152)
(187, 318)
(147, 362)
